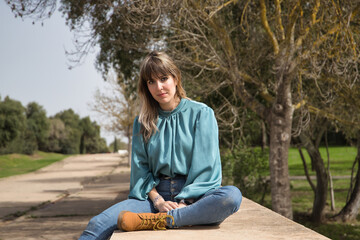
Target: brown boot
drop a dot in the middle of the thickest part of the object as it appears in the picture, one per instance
(129, 221)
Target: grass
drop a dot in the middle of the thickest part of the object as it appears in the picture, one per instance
(341, 160)
(15, 164)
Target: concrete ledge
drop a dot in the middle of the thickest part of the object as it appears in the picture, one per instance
(252, 221)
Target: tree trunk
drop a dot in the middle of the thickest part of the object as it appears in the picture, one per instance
(82, 144)
(332, 196)
(263, 135)
(129, 151)
(280, 123)
(321, 178)
(306, 171)
(129, 145)
(279, 119)
(351, 209)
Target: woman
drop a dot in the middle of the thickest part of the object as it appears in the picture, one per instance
(175, 166)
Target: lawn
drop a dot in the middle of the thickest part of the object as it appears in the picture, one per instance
(14, 164)
(341, 161)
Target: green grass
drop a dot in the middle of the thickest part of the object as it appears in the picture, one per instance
(15, 164)
(341, 160)
(333, 230)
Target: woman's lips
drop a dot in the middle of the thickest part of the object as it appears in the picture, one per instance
(162, 95)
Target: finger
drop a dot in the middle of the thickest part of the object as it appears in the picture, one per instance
(173, 205)
(164, 207)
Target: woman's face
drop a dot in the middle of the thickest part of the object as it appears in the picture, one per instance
(163, 91)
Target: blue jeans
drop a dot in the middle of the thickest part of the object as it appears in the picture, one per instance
(211, 209)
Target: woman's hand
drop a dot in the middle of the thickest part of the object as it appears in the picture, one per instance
(165, 206)
(181, 205)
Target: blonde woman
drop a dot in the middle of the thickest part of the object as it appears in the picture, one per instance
(175, 161)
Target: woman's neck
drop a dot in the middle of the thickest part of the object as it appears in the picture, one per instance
(171, 105)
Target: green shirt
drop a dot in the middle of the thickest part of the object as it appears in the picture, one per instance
(186, 143)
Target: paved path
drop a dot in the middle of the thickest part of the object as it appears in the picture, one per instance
(57, 201)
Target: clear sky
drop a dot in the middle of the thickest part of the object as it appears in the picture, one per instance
(34, 67)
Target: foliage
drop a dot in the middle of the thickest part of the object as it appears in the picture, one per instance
(37, 124)
(118, 144)
(12, 121)
(77, 135)
(27, 130)
(115, 145)
(57, 135)
(246, 168)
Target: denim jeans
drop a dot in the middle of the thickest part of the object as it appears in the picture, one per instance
(211, 209)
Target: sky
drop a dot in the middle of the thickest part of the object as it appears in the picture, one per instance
(35, 68)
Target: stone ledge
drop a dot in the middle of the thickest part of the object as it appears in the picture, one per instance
(252, 221)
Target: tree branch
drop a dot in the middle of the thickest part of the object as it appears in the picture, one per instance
(278, 19)
(266, 26)
(221, 7)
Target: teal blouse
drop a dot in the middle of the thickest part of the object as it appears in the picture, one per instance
(186, 143)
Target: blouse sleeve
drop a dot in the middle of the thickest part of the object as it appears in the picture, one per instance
(141, 178)
(205, 170)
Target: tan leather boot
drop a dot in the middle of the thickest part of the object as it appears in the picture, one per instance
(129, 221)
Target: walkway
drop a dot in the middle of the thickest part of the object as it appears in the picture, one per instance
(57, 201)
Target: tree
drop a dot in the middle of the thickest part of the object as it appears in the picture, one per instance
(351, 209)
(115, 145)
(119, 108)
(347, 105)
(293, 41)
(57, 135)
(118, 145)
(91, 142)
(267, 61)
(89, 133)
(12, 121)
(72, 129)
(38, 124)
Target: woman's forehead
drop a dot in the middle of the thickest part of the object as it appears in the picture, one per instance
(157, 73)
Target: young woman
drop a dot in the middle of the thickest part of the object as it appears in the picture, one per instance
(175, 162)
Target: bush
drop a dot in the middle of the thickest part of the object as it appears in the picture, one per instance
(247, 168)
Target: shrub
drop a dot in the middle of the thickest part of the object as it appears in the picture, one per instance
(247, 168)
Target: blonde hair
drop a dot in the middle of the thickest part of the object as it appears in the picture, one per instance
(155, 65)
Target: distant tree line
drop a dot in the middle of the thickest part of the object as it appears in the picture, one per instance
(28, 129)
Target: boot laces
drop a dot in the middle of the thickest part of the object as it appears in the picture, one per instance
(157, 222)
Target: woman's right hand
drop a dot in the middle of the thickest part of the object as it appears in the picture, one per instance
(165, 206)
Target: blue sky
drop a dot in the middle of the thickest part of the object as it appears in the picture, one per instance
(34, 67)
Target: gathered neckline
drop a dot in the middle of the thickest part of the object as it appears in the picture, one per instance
(163, 113)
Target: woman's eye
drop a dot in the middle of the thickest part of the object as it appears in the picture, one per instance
(150, 81)
(164, 79)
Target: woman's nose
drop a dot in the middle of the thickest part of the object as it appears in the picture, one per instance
(159, 85)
